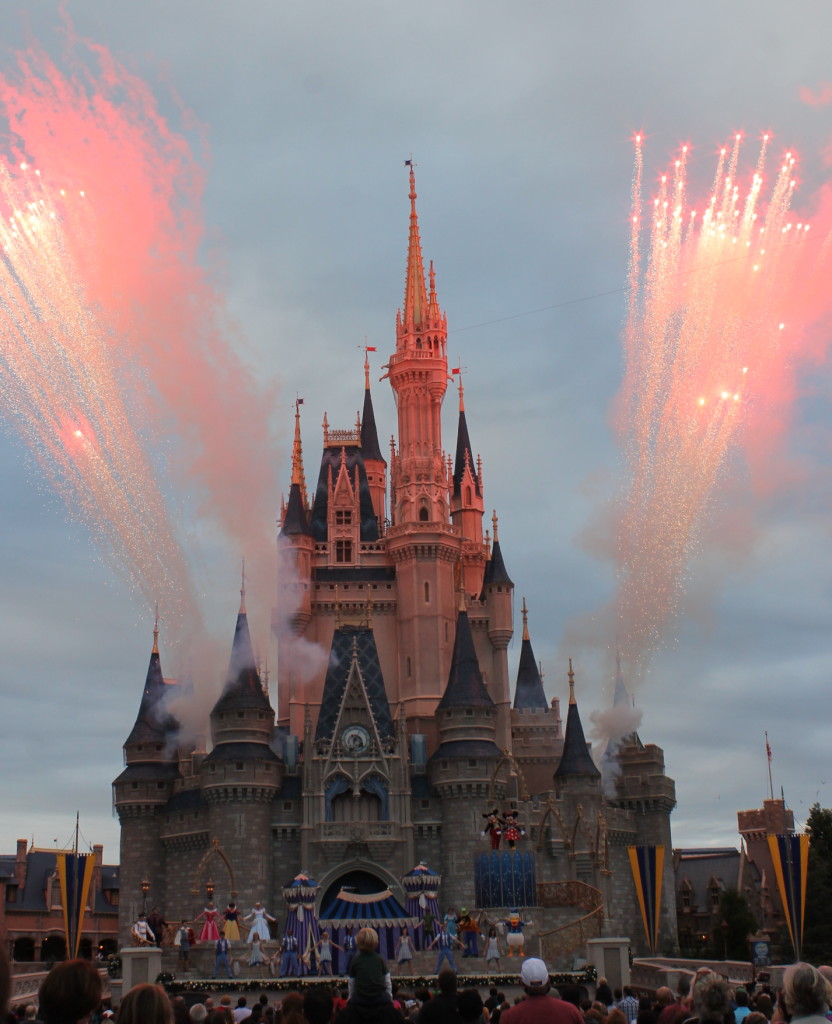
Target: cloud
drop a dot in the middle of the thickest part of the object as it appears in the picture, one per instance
(819, 97)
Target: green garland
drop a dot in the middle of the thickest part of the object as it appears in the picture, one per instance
(585, 977)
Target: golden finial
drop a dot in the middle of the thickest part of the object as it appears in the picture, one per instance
(243, 590)
(525, 620)
(156, 632)
(571, 684)
(494, 523)
(366, 365)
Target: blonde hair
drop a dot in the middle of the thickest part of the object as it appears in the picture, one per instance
(367, 940)
(146, 1004)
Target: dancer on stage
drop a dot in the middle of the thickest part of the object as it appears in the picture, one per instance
(404, 949)
(256, 958)
(324, 948)
(492, 951)
(232, 916)
(210, 932)
(289, 963)
(260, 926)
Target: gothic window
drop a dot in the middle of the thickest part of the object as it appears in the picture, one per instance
(423, 514)
(343, 517)
(343, 550)
(427, 593)
(714, 890)
(467, 495)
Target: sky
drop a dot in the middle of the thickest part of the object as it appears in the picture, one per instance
(520, 119)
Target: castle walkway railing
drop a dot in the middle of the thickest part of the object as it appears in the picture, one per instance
(557, 943)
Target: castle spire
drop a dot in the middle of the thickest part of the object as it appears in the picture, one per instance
(415, 296)
(156, 632)
(576, 758)
(297, 453)
(243, 589)
(529, 692)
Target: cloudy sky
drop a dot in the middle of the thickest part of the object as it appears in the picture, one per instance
(520, 118)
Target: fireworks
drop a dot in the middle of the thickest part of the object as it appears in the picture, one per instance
(112, 337)
(717, 317)
(64, 393)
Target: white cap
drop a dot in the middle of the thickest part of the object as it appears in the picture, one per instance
(534, 973)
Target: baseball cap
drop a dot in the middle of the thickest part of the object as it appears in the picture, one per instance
(534, 973)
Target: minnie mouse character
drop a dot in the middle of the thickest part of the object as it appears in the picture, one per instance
(512, 828)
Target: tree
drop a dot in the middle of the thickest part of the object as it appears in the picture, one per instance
(730, 937)
(817, 932)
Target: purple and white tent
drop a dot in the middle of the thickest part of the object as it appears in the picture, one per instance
(300, 895)
(421, 886)
(379, 910)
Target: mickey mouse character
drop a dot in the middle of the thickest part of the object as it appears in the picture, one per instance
(493, 828)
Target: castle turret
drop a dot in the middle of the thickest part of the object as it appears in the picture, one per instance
(467, 505)
(143, 789)
(374, 462)
(241, 775)
(536, 735)
(296, 548)
(462, 768)
(497, 595)
(576, 766)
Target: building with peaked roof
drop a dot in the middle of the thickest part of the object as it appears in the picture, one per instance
(31, 907)
(398, 724)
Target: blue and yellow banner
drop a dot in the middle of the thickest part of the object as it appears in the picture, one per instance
(647, 865)
(75, 876)
(790, 856)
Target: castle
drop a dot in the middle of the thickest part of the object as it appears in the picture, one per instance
(391, 746)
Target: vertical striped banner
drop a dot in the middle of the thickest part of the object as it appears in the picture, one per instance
(75, 876)
(647, 865)
(790, 856)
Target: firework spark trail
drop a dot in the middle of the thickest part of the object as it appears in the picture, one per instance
(64, 397)
(108, 320)
(716, 320)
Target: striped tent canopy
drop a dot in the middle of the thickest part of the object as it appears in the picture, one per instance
(379, 910)
(366, 910)
(300, 895)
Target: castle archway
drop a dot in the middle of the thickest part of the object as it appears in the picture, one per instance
(360, 877)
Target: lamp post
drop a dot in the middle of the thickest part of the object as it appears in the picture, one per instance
(145, 887)
(209, 888)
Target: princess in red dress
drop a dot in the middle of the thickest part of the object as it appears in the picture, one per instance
(210, 932)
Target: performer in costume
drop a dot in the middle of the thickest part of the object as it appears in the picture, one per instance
(404, 949)
(256, 957)
(445, 943)
(183, 943)
(289, 964)
(512, 829)
(515, 933)
(142, 932)
(493, 828)
(469, 929)
(210, 932)
(349, 949)
(324, 949)
(221, 958)
(232, 916)
(492, 951)
(259, 927)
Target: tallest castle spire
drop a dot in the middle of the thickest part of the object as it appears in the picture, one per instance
(415, 296)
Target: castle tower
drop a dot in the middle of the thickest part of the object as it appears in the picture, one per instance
(494, 632)
(141, 792)
(462, 768)
(421, 542)
(467, 505)
(536, 734)
(295, 548)
(241, 775)
(755, 826)
(374, 463)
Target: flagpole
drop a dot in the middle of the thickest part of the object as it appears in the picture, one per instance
(768, 758)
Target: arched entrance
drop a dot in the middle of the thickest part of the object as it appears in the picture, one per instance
(357, 880)
(23, 950)
(53, 948)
